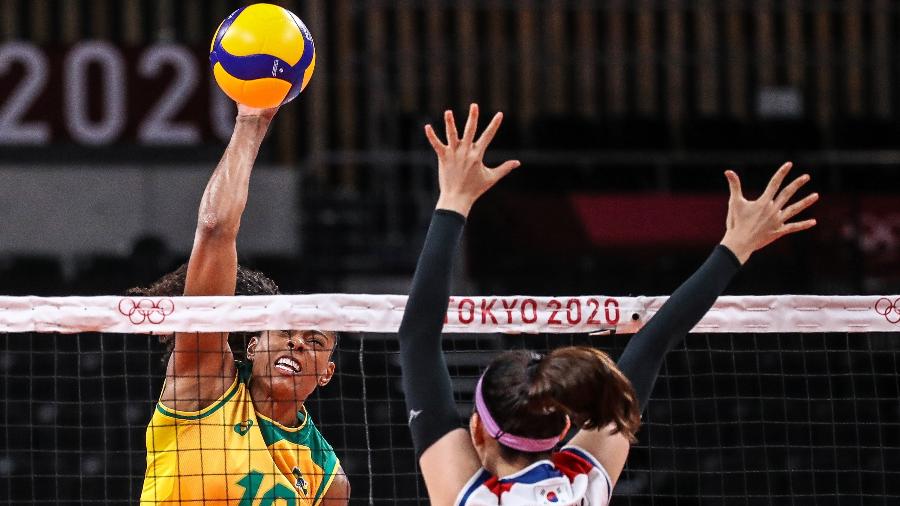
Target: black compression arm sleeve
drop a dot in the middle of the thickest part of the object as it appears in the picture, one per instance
(426, 382)
(644, 355)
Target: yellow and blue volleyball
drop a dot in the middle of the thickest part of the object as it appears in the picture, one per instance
(262, 55)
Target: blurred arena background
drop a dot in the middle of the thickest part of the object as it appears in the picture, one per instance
(110, 125)
(625, 114)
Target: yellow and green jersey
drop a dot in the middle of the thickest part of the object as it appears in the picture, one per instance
(228, 454)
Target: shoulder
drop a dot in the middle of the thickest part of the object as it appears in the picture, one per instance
(571, 475)
(334, 488)
(578, 464)
(476, 488)
(574, 460)
(306, 435)
(188, 399)
(314, 438)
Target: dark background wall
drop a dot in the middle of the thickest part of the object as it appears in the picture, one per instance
(623, 112)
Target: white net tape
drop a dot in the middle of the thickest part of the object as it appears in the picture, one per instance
(792, 401)
(466, 314)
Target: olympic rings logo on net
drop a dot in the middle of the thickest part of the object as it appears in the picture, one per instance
(889, 309)
(146, 310)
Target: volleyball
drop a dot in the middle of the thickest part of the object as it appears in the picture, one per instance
(262, 55)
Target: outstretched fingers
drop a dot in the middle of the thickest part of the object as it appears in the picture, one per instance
(795, 209)
(504, 168)
(450, 125)
(791, 228)
(734, 185)
(790, 190)
(799, 206)
(775, 182)
(471, 124)
(453, 138)
(488, 135)
(436, 143)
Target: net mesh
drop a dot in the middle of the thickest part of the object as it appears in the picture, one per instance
(736, 418)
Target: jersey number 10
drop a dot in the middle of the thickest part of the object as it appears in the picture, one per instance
(251, 483)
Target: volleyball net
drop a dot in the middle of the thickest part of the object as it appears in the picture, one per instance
(771, 400)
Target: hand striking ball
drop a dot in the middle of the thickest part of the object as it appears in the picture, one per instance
(262, 55)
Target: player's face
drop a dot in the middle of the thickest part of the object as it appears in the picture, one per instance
(292, 362)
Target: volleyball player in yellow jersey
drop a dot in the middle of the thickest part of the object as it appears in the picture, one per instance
(237, 433)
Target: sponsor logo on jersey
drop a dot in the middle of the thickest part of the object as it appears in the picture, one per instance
(243, 428)
(300, 484)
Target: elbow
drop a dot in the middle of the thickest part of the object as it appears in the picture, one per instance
(211, 225)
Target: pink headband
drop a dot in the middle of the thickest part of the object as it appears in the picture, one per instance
(515, 442)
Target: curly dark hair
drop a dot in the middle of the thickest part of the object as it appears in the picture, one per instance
(249, 282)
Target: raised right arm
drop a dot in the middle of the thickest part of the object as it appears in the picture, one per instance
(202, 367)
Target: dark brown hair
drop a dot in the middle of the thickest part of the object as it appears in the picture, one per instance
(530, 395)
(249, 282)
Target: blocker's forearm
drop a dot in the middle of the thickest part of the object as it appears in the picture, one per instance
(644, 355)
(426, 382)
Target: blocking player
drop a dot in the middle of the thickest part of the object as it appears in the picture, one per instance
(525, 403)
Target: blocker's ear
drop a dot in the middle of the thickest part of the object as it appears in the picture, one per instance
(475, 429)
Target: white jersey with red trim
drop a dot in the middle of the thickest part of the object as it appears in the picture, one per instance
(572, 476)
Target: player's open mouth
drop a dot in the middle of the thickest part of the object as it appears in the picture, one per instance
(288, 366)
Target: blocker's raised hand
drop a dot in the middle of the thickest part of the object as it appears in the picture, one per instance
(753, 224)
(462, 175)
